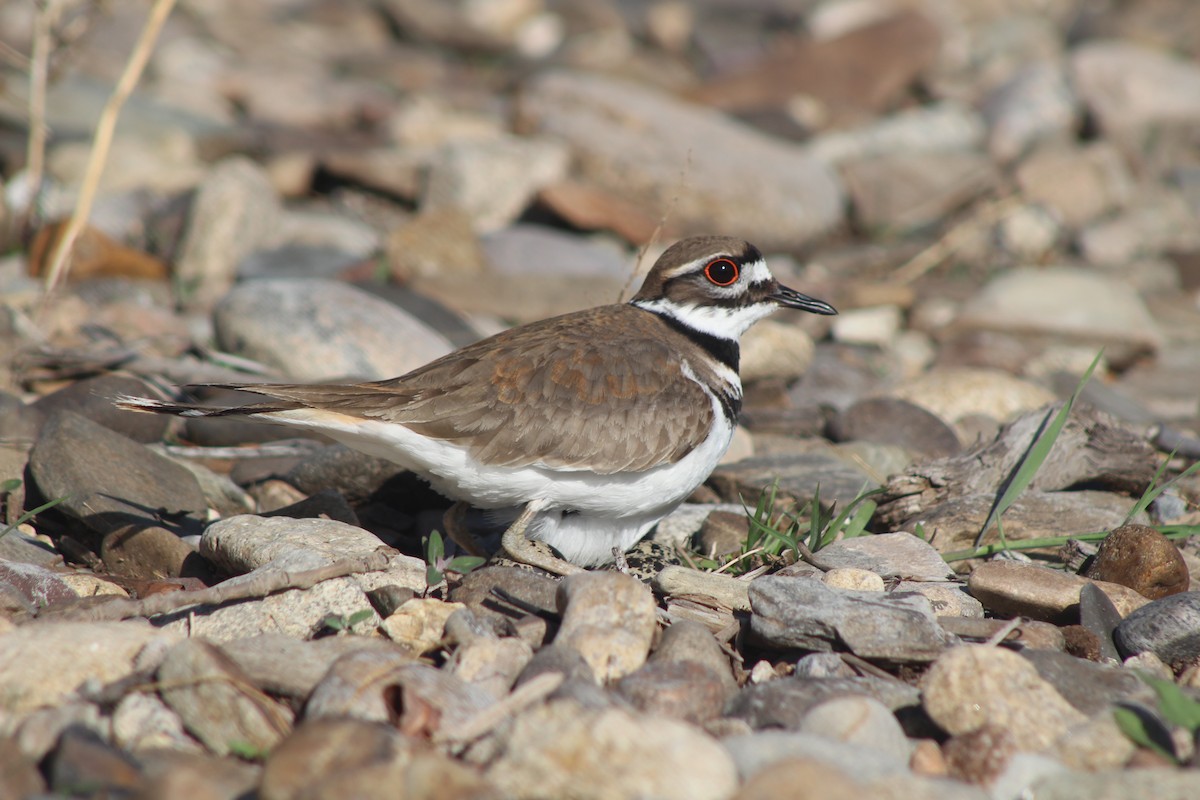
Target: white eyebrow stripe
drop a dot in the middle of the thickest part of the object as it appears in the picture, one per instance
(684, 269)
(752, 271)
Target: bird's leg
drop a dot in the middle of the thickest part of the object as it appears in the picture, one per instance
(520, 548)
(454, 523)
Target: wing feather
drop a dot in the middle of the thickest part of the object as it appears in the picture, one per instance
(550, 394)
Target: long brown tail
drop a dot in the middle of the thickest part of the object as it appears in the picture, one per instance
(151, 406)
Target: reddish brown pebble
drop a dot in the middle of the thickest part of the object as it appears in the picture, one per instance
(1081, 642)
(979, 756)
(1143, 559)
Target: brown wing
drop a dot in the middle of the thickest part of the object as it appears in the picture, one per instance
(549, 393)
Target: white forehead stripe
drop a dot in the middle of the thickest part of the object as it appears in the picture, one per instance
(757, 272)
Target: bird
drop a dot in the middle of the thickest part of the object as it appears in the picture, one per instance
(588, 427)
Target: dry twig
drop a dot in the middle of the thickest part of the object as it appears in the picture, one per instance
(952, 240)
(262, 585)
(102, 141)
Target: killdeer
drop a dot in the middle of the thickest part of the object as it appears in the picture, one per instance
(593, 425)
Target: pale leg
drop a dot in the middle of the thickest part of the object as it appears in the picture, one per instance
(520, 548)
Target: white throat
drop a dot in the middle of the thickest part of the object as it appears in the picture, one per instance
(720, 321)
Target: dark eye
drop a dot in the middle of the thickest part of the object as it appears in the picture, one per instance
(722, 272)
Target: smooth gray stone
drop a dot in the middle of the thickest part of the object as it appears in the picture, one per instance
(17, 545)
(796, 474)
(93, 398)
(1088, 686)
(889, 555)
(533, 251)
(312, 329)
(1036, 104)
(805, 613)
(784, 703)
(297, 261)
(1169, 628)
(637, 141)
(110, 482)
(891, 420)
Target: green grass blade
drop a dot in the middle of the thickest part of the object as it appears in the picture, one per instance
(857, 524)
(362, 615)
(1134, 727)
(28, 515)
(1176, 706)
(464, 564)
(1154, 489)
(983, 551)
(1036, 455)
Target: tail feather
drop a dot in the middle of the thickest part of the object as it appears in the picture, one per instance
(151, 406)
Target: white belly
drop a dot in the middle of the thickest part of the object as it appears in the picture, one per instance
(608, 510)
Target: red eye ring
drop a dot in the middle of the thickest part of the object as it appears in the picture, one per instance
(722, 272)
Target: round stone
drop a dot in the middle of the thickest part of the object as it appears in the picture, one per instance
(1143, 559)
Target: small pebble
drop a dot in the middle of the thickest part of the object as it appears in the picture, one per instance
(850, 578)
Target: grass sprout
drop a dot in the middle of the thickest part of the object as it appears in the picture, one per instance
(437, 563)
(14, 484)
(1147, 731)
(776, 533)
(1034, 457)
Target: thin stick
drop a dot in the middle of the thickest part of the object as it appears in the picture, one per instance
(39, 67)
(1002, 634)
(267, 583)
(532, 691)
(102, 141)
(952, 240)
(658, 229)
(742, 557)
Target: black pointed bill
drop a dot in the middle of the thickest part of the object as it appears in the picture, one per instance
(790, 298)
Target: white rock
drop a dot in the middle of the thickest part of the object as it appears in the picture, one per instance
(937, 128)
(860, 721)
(852, 578)
(42, 665)
(773, 349)
(143, 721)
(876, 325)
(562, 749)
(1028, 233)
(235, 213)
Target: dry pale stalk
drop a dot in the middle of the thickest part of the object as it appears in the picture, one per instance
(102, 140)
